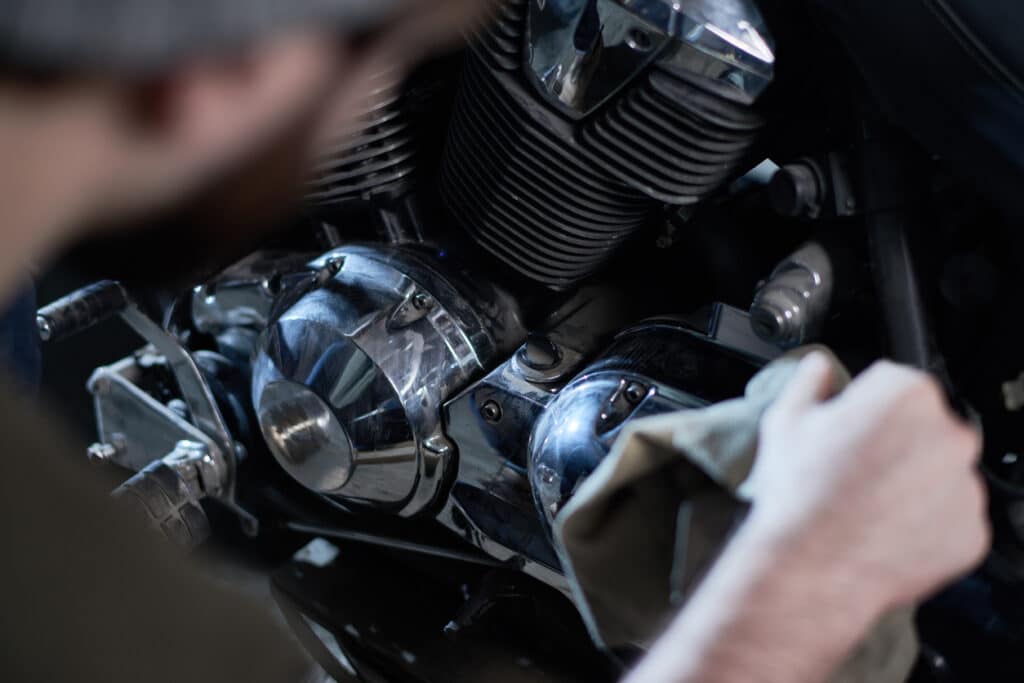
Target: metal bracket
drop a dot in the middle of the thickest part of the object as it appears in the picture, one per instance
(138, 430)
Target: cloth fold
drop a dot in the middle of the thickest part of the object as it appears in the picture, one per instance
(646, 526)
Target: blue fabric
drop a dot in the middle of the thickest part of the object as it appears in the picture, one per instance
(20, 348)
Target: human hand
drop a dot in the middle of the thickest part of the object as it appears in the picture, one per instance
(875, 489)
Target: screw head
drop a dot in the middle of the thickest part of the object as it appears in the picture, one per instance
(640, 40)
(635, 393)
(491, 411)
(45, 328)
(273, 285)
(422, 301)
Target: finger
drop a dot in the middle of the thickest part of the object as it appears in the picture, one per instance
(973, 441)
(811, 384)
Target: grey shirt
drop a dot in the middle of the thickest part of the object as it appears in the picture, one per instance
(89, 594)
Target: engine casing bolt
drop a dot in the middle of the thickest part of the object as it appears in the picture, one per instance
(491, 411)
(422, 301)
(635, 393)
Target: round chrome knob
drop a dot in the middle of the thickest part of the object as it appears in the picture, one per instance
(305, 437)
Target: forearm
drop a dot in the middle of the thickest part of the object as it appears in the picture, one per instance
(761, 616)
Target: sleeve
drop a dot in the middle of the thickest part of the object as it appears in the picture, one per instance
(90, 595)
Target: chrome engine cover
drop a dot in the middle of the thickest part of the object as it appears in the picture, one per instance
(657, 367)
(349, 382)
(582, 53)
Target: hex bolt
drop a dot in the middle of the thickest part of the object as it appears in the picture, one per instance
(491, 411)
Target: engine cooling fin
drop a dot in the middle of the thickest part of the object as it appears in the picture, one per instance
(373, 159)
(555, 198)
(525, 196)
(671, 140)
(502, 39)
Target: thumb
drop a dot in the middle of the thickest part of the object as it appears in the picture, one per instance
(811, 384)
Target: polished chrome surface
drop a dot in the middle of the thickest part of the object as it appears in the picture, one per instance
(725, 44)
(349, 382)
(526, 443)
(302, 432)
(134, 428)
(582, 52)
(491, 505)
(142, 430)
(791, 307)
(195, 391)
(578, 429)
(655, 368)
(244, 295)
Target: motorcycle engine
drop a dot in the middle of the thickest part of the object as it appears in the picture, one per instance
(517, 252)
(576, 120)
(421, 374)
(573, 123)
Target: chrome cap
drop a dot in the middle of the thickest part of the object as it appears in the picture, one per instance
(582, 52)
(348, 384)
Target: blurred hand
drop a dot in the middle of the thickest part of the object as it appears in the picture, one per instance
(876, 488)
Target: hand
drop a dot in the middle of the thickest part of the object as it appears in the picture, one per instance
(875, 489)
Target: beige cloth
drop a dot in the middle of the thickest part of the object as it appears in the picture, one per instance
(645, 527)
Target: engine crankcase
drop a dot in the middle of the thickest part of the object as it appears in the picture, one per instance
(349, 382)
